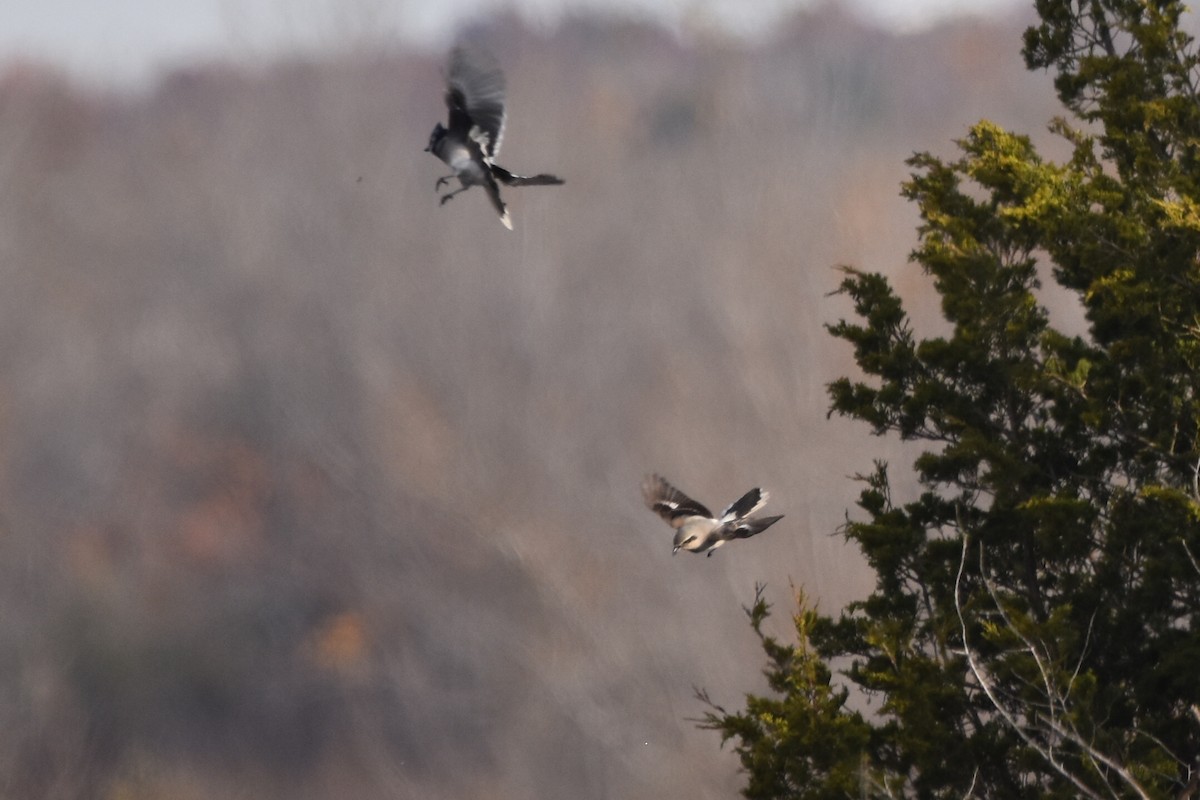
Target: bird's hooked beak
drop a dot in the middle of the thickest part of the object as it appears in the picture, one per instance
(674, 549)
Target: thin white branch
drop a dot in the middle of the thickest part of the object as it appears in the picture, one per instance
(1196, 481)
(1069, 733)
(1055, 699)
(971, 788)
(1190, 556)
(1182, 764)
(986, 684)
(1082, 654)
(1043, 671)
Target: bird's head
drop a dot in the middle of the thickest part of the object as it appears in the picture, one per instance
(682, 541)
(439, 133)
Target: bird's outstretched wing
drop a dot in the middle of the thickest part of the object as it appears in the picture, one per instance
(475, 97)
(669, 503)
(745, 505)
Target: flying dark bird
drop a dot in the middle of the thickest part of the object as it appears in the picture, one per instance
(475, 97)
(696, 529)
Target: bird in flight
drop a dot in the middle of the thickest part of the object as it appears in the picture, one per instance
(696, 529)
(475, 98)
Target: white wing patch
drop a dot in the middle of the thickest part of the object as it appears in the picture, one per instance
(481, 138)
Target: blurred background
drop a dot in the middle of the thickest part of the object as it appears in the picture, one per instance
(310, 488)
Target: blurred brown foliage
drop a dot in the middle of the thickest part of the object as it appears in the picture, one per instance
(312, 488)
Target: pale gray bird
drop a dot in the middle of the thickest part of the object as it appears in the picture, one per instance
(475, 98)
(696, 529)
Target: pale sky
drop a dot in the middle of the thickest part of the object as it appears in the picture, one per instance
(125, 41)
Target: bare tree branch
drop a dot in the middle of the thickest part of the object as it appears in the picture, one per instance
(1191, 558)
(1068, 732)
(1196, 481)
(985, 682)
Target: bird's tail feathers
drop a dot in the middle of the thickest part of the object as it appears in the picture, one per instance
(749, 527)
(510, 179)
(494, 193)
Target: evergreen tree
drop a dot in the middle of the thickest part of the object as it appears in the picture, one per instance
(1033, 631)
